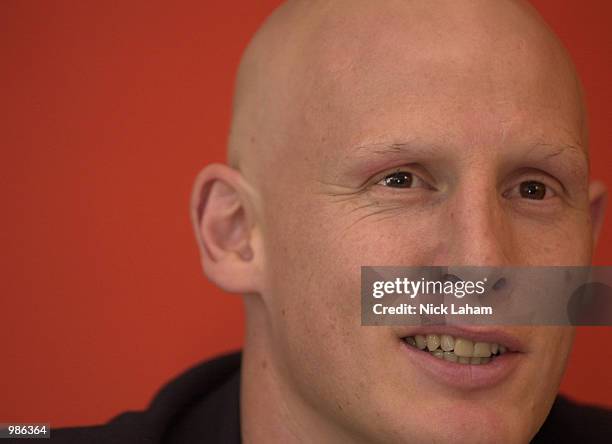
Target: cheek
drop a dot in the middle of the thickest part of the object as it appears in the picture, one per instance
(315, 270)
(550, 352)
(564, 242)
(557, 344)
(313, 293)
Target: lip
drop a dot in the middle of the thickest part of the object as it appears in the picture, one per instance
(464, 376)
(473, 333)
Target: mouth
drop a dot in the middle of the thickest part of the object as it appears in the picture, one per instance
(457, 349)
(463, 358)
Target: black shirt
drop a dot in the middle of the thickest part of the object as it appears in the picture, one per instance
(202, 406)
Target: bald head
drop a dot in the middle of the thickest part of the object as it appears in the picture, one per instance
(317, 67)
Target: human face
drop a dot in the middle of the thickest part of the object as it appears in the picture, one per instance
(466, 121)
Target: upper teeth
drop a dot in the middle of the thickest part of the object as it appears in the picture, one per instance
(457, 349)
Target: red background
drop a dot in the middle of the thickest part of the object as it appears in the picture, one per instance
(108, 111)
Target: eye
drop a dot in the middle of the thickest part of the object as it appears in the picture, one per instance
(533, 190)
(399, 179)
(402, 179)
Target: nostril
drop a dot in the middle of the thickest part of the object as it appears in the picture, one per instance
(449, 277)
(501, 283)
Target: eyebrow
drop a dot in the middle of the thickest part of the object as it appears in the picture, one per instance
(395, 147)
(419, 148)
(556, 149)
(548, 152)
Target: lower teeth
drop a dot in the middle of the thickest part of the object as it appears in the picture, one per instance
(444, 349)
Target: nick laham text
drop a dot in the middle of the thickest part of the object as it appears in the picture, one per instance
(432, 309)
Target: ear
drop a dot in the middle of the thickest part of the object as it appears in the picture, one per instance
(598, 198)
(223, 219)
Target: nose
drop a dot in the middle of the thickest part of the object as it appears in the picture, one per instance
(479, 234)
(480, 241)
(478, 229)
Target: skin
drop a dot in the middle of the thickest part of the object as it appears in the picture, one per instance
(471, 98)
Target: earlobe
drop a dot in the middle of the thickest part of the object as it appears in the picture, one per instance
(223, 226)
(598, 197)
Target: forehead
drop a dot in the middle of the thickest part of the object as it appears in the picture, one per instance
(467, 77)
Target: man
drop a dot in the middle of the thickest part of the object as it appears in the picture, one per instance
(385, 133)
